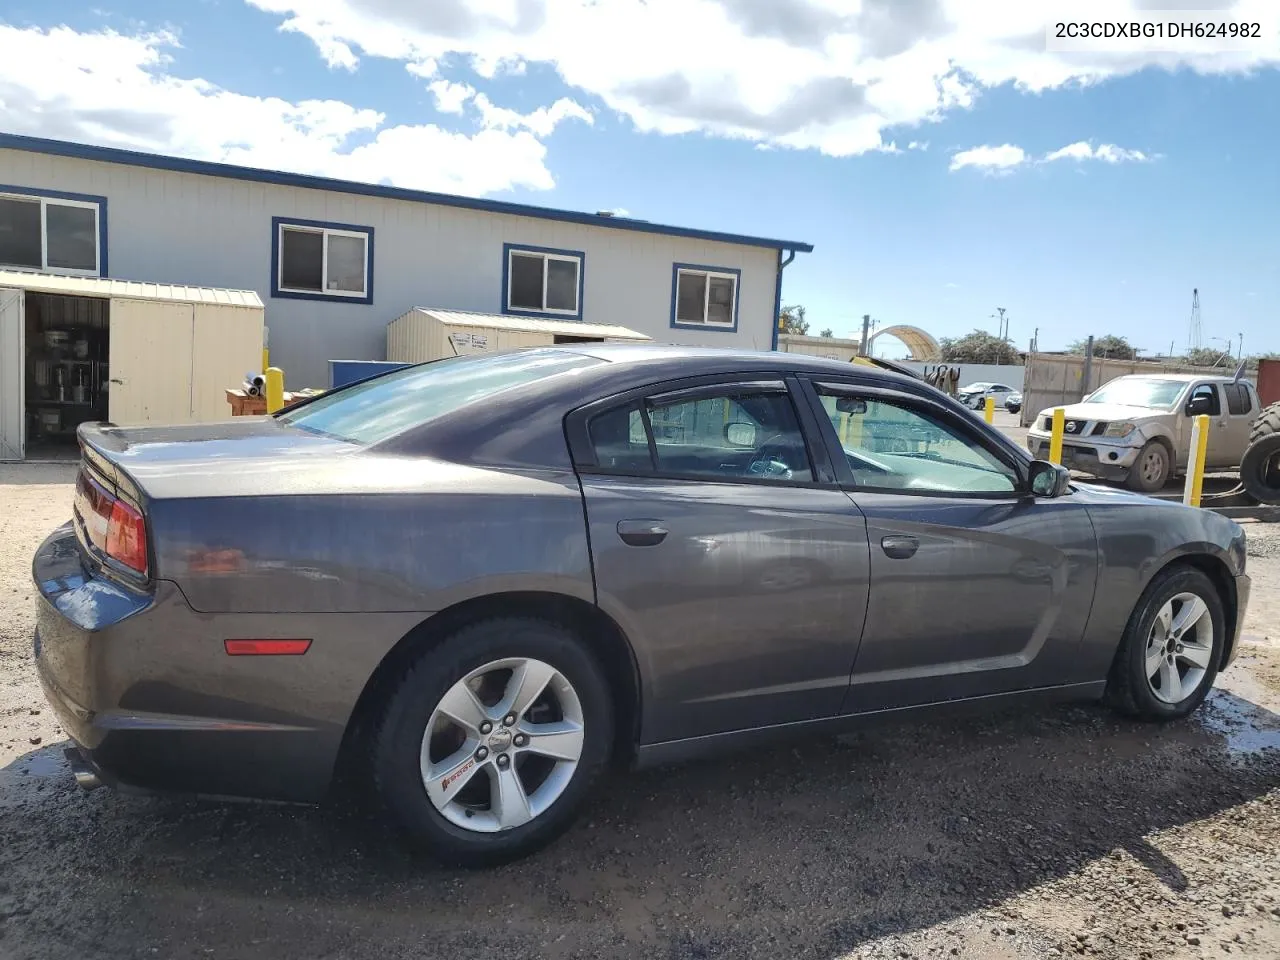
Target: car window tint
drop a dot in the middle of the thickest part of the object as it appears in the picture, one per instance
(734, 436)
(384, 406)
(1207, 390)
(893, 446)
(619, 440)
(1238, 399)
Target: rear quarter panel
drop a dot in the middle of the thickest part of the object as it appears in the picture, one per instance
(462, 533)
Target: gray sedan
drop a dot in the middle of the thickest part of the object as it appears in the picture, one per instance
(472, 585)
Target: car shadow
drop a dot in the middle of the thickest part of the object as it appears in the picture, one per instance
(810, 849)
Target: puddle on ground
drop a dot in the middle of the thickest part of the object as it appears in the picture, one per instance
(42, 763)
(1243, 711)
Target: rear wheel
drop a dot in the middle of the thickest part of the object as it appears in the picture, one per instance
(1171, 648)
(1150, 471)
(492, 740)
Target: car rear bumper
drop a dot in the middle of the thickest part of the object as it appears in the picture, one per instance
(143, 685)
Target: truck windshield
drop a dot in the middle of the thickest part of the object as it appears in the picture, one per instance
(384, 406)
(1139, 392)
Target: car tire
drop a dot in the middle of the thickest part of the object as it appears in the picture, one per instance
(1260, 466)
(450, 821)
(1140, 683)
(1150, 470)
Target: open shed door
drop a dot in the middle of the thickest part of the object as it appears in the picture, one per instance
(12, 374)
(150, 366)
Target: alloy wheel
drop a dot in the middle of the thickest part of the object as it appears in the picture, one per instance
(502, 745)
(1152, 465)
(1179, 648)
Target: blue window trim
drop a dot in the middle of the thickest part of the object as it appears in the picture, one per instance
(80, 197)
(134, 158)
(737, 297)
(510, 248)
(276, 292)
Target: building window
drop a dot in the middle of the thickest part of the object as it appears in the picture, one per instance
(544, 282)
(705, 297)
(61, 233)
(322, 261)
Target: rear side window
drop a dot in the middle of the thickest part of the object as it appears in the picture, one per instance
(385, 406)
(1238, 400)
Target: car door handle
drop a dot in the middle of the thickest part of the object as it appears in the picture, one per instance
(899, 548)
(642, 533)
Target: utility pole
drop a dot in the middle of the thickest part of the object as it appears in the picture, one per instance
(1088, 367)
(863, 347)
(1240, 348)
(1035, 341)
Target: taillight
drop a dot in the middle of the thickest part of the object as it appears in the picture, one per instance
(127, 537)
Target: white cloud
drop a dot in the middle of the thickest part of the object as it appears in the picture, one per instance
(117, 90)
(540, 122)
(450, 97)
(994, 159)
(829, 75)
(1006, 157)
(1107, 152)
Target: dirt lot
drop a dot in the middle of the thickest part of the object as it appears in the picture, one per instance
(1060, 833)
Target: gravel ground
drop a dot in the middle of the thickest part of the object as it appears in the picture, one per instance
(1065, 832)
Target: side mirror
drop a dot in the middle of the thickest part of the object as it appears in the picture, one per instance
(1199, 405)
(1048, 479)
(740, 434)
(851, 405)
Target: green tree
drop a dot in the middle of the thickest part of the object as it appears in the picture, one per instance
(827, 332)
(791, 320)
(1109, 346)
(979, 347)
(1209, 357)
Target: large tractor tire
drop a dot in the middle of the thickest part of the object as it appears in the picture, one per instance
(1260, 466)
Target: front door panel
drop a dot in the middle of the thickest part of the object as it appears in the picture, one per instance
(744, 603)
(994, 598)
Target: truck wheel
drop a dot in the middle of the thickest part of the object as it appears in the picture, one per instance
(491, 740)
(1150, 471)
(1260, 466)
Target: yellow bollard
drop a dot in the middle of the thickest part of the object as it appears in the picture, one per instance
(989, 409)
(265, 362)
(1055, 437)
(1195, 464)
(275, 389)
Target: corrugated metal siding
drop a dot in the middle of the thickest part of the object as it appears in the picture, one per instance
(217, 233)
(108, 288)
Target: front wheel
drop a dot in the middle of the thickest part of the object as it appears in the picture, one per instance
(492, 740)
(1171, 648)
(1150, 471)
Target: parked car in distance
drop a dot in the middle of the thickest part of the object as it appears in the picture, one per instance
(1137, 428)
(975, 394)
(1013, 402)
(471, 585)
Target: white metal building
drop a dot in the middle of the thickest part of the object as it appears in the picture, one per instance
(334, 262)
(76, 349)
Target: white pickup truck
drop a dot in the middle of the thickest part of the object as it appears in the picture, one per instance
(1137, 428)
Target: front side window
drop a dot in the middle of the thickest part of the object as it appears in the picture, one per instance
(705, 297)
(543, 281)
(45, 233)
(734, 434)
(319, 260)
(893, 446)
(1206, 391)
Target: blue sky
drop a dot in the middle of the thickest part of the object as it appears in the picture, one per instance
(912, 142)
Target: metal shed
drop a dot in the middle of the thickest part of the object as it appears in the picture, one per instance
(425, 334)
(77, 349)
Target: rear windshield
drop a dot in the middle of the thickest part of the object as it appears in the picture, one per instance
(382, 407)
(1139, 392)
